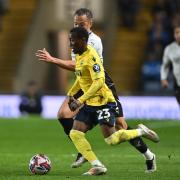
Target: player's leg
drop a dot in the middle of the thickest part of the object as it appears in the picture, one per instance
(106, 117)
(77, 135)
(137, 143)
(149, 156)
(65, 117)
(177, 91)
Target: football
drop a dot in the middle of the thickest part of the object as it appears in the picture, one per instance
(39, 164)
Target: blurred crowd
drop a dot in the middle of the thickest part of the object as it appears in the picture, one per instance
(165, 13)
(31, 100)
(3, 9)
(128, 10)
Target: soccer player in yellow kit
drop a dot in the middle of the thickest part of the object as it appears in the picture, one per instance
(84, 18)
(96, 105)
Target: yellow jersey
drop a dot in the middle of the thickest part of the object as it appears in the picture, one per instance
(90, 77)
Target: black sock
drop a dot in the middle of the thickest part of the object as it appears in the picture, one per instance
(67, 124)
(78, 156)
(138, 143)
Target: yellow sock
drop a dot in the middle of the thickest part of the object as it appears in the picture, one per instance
(82, 145)
(121, 136)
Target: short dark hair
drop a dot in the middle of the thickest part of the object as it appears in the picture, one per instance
(84, 11)
(80, 32)
(176, 25)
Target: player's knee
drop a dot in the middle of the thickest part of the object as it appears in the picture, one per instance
(76, 135)
(121, 123)
(63, 113)
(112, 140)
(60, 114)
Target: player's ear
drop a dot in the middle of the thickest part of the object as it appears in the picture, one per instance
(84, 39)
(91, 23)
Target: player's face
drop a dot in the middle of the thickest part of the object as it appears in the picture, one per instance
(76, 44)
(83, 21)
(177, 34)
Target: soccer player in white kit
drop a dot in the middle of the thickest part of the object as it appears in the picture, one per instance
(83, 18)
(172, 56)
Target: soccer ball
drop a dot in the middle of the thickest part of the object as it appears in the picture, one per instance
(39, 164)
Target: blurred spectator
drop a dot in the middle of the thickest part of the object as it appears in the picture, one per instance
(3, 9)
(128, 10)
(176, 19)
(158, 33)
(164, 14)
(158, 50)
(31, 100)
(167, 6)
(171, 58)
(151, 74)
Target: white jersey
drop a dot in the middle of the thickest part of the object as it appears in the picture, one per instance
(171, 56)
(94, 41)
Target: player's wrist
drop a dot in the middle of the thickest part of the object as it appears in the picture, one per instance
(53, 60)
(80, 100)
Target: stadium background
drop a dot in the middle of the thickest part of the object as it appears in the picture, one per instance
(134, 34)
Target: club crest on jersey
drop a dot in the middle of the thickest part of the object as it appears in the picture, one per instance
(96, 68)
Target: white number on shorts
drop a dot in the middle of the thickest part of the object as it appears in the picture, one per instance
(104, 113)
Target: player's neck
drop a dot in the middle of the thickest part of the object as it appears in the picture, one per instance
(178, 43)
(83, 50)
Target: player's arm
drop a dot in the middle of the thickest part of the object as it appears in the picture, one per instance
(73, 103)
(44, 55)
(97, 75)
(96, 85)
(165, 69)
(74, 89)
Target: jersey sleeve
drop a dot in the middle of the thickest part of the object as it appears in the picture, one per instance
(97, 75)
(95, 86)
(165, 65)
(74, 89)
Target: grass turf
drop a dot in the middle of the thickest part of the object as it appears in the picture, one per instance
(20, 139)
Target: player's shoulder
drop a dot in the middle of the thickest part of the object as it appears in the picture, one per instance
(169, 49)
(92, 51)
(93, 56)
(171, 45)
(94, 38)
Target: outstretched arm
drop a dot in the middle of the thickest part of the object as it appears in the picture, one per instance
(44, 55)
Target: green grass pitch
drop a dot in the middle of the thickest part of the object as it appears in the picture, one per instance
(21, 138)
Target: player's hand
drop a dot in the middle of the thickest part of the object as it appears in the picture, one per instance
(43, 55)
(164, 83)
(71, 99)
(73, 103)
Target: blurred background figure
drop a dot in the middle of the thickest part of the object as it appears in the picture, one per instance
(128, 10)
(144, 30)
(31, 100)
(3, 10)
(171, 60)
(151, 74)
